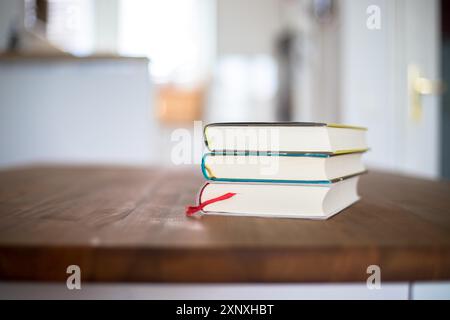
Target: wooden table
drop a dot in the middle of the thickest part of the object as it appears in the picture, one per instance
(122, 224)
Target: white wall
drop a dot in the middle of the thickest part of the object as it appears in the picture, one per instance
(247, 27)
(106, 26)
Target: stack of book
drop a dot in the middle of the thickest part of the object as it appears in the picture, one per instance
(289, 170)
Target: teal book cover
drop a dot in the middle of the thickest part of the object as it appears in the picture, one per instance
(209, 175)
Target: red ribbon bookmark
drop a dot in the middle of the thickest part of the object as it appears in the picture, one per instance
(190, 211)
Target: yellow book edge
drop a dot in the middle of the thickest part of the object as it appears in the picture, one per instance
(330, 125)
(344, 126)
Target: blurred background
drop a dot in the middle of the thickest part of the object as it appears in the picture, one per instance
(107, 81)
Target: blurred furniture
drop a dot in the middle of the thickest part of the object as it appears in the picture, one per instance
(32, 41)
(60, 108)
(179, 105)
(126, 225)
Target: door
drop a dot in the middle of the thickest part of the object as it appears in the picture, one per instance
(421, 61)
(389, 76)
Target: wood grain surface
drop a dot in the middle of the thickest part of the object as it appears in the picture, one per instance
(128, 224)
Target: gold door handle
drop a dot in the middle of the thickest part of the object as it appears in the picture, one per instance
(419, 86)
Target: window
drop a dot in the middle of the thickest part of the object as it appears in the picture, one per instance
(175, 34)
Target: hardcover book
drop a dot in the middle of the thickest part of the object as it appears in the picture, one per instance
(311, 201)
(281, 168)
(284, 137)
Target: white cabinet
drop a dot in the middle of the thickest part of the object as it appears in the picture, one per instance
(67, 110)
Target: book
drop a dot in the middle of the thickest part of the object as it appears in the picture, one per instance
(281, 168)
(284, 137)
(311, 201)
